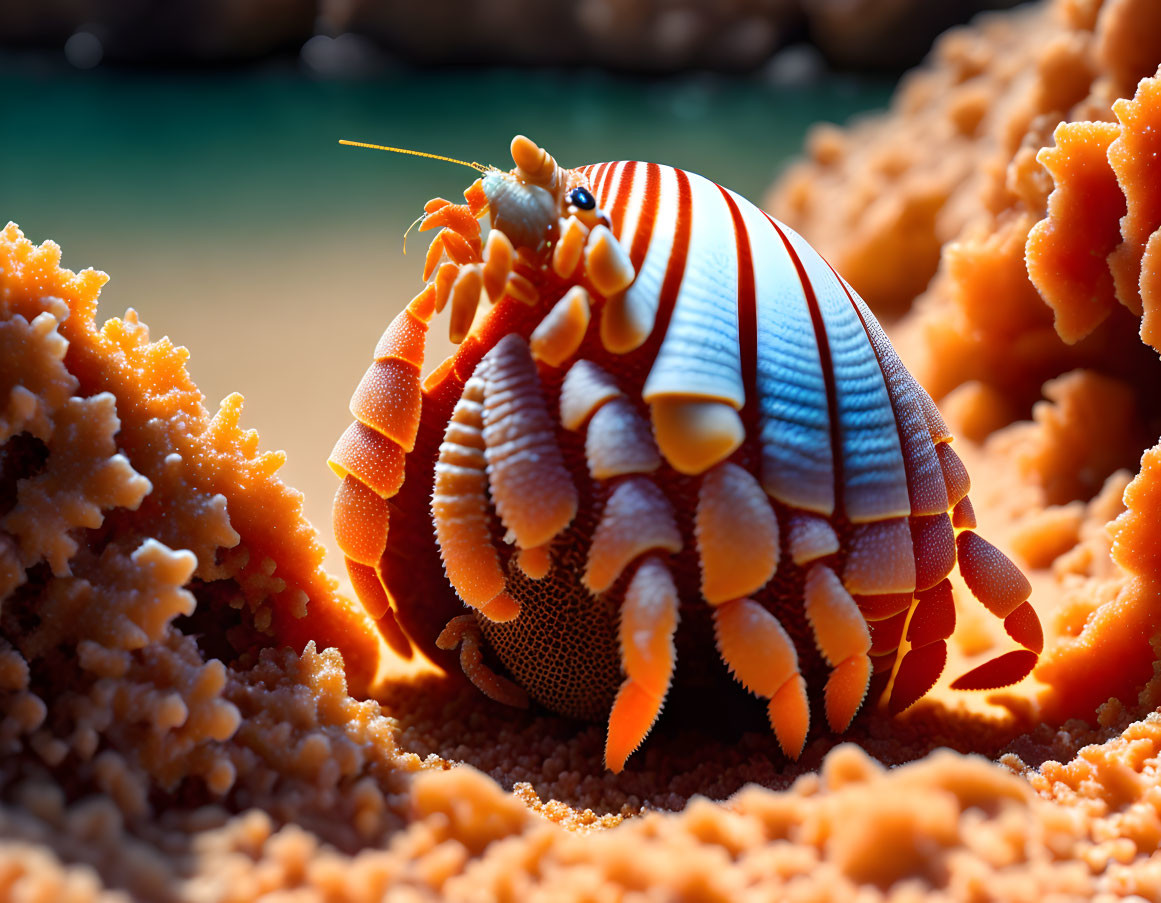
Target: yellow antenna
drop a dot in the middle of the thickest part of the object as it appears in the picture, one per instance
(479, 167)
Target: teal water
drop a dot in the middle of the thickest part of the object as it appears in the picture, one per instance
(229, 217)
(257, 150)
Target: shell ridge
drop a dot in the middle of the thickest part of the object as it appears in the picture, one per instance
(794, 419)
(655, 246)
(699, 351)
(874, 473)
(822, 345)
(926, 486)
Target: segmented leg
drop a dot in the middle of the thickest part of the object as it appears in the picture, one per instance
(454, 258)
(648, 623)
(841, 634)
(499, 459)
(531, 488)
(465, 633)
(369, 456)
(637, 519)
(999, 585)
(762, 658)
(932, 622)
(733, 513)
(462, 514)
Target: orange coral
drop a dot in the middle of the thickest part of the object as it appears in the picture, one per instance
(172, 459)
(1106, 176)
(1068, 249)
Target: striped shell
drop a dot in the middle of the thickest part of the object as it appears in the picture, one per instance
(677, 430)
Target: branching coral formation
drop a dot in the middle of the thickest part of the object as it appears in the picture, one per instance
(182, 691)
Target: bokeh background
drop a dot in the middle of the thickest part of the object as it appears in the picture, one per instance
(189, 149)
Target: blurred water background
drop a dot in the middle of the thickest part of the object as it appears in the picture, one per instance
(228, 216)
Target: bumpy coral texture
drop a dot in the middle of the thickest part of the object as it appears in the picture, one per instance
(171, 732)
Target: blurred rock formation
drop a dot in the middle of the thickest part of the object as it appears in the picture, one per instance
(651, 36)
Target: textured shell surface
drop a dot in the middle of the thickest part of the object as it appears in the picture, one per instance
(676, 449)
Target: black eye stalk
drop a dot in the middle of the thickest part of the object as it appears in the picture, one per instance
(581, 198)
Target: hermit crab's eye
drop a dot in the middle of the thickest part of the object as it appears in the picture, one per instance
(581, 198)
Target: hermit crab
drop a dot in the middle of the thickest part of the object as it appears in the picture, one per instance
(675, 431)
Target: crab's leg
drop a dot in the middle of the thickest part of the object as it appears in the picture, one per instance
(842, 636)
(531, 488)
(461, 512)
(498, 257)
(558, 336)
(933, 540)
(465, 298)
(569, 247)
(733, 512)
(762, 658)
(500, 451)
(932, 622)
(499, 438)
(465, 633)
(1004, 591)
(637, 520)
(369, 456)
(648, 623)
(454, 258)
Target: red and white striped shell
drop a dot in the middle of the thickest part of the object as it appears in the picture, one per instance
(677, 428)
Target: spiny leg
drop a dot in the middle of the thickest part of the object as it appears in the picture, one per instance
(842, 637)
(750, 640)
(648, 623)
(761, 656)
(636, 520)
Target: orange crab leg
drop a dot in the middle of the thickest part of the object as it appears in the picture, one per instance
(369, 455)
(648, 623)
(762, 658)
(465, 633)
(843, 639)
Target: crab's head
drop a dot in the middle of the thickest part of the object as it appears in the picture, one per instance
(531, 201)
